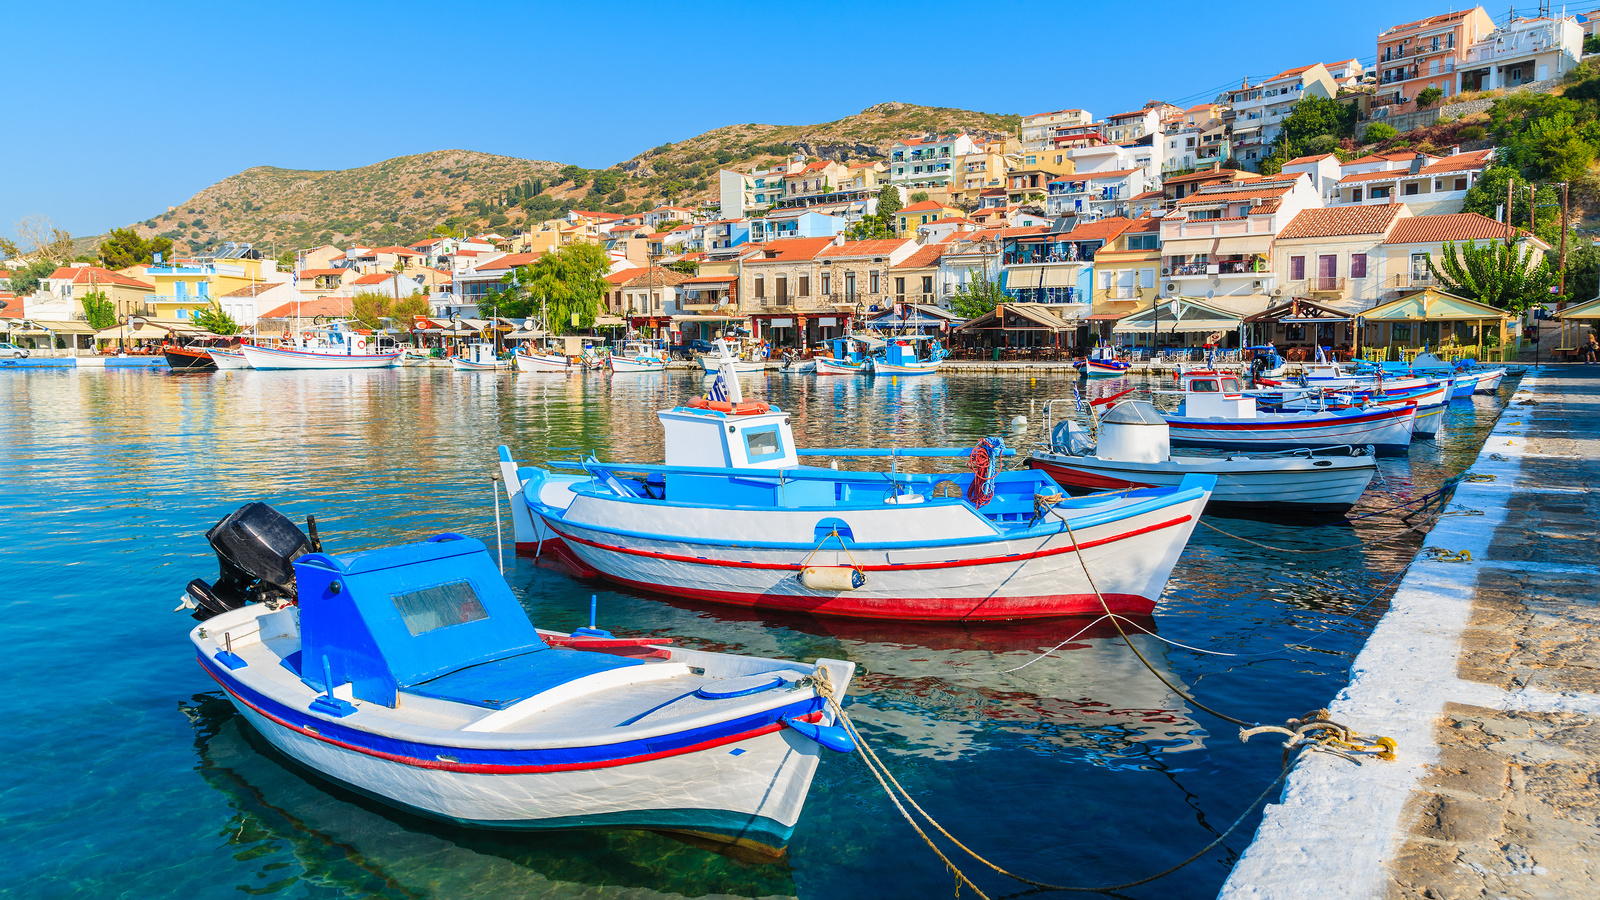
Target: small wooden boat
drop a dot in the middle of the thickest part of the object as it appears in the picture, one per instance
(228, 359)
(734, 517)
(480, 357)
(1134, 451)
(1217, 413)
(1104, 360)
(188, 358)
(412, 675)
(901, 356)
(636, 356)
(334, 346)
(535, 361)
(848, 358)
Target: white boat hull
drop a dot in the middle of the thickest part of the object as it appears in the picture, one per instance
(879, 367)
(276, 358)
(533, 362)
(740, 366)
(803, 367)
(1489, 382)
(229, 359)
(1298, 483)
(622, 365)
(467, 365)
(709, 557)
(827, 366)
(1387, 430)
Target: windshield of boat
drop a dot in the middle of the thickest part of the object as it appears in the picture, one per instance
(439, 606)
(1203, 385)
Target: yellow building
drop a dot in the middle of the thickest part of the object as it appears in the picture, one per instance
(1126, 271)
(911, 217)
(188, 285)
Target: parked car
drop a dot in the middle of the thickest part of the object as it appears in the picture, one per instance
(13, 351)
(689, 350)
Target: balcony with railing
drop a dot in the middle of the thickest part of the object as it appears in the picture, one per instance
(1201, 265)
(1048, 253)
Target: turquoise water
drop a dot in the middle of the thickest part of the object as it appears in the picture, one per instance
(128, 776)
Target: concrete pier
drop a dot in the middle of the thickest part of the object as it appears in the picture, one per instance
(1487, 673)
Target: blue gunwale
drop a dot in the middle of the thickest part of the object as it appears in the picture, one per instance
(1155, 499)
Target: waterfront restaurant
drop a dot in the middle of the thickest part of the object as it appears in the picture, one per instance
(1300, 326)
(1181, 323)
(1573, 319)
(1431, 319)
(1021, 332)
(918, 318)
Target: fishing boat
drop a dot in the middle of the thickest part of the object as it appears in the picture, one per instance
(848, 357)
(1134, 450)
(1215, 412)
(412, 356)
(637, 356)
(188, 358)
(228, 359)
(529, 360)
(1105, 360)
(901, 356)
(480, 357)
(412, 675)
(743, 366)
(732, 516)
(1430, 397)
(334, 346)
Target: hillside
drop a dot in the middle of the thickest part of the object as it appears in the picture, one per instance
(400, 200)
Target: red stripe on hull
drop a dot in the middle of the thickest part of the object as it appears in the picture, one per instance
(486, 769)
(1076, 478)
(960, 609)
(1006, 559)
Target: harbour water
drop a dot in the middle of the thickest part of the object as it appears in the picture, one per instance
(129, 776)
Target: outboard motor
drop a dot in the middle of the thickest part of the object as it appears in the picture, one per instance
(256, 548)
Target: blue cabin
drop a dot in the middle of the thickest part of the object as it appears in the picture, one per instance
(846, 349)
(434, 618)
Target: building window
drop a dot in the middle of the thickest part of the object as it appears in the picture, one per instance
(805, 286)
(1358, 265)
(656, 301)
(1378, 192)
(899, 285)
(1297, 268)
(827, 283)
(927, 284)
(761, 287)
(783, 288)
(850, 284)
(1413, 188)
(1461, 184)
(872, 281)
(1355, 196)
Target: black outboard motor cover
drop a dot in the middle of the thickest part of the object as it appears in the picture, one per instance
(256, 548)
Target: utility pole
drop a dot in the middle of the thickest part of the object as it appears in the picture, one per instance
(1509, 183)
(1565, 211)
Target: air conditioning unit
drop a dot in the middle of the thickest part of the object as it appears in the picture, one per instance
(1166, 271)
(1172, 286)
(1276, 292)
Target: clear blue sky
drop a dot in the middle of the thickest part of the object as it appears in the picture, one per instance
(122, 109)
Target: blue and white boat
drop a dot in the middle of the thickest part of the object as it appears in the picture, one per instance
(411, 674)
(333, 346)
(734, 517)
(851, 356)
(900, 356)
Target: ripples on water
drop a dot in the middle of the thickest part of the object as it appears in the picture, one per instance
(127, 774)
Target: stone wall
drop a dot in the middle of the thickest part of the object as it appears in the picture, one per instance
(1423, 118)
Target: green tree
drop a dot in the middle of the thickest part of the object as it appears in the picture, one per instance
(1271, 165)
(26, 278)
(1428, 97)
(1379, 131)
(370, 308)
(123, 248)
(1311, 117)
(215, 320)
(1505, 276)
(98, 309)
(919, 196)
(870, 228)
(889, 202)
(1488, 194)
(567, 283)
(978, 296)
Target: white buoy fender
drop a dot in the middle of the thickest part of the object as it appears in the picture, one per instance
(832, 578)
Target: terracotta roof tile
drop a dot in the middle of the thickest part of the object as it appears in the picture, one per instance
(319, 306)
(97, 275)
(926, 205)
(510, 261)
(1341, 220)
(865, 248)
(791, 249)
(1453, 227)
(1302, 160)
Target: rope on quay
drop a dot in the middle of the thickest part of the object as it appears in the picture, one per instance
(1315, 731)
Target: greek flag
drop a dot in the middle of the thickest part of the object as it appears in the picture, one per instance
(719, 390)
(1078, 396)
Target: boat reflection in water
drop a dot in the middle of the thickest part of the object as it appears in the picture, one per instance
(941, 691)
(297, 827)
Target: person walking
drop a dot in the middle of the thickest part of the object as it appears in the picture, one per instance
(1591, 353)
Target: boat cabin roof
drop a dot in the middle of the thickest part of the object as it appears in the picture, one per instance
(434, 618)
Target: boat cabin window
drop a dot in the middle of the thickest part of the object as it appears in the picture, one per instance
(762, 444)
(1230, 385)
(439, 606)
(1203, 385)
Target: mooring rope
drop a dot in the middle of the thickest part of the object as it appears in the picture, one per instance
(1314, 731)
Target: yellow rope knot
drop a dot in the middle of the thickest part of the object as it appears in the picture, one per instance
(1439, 554)
(1318, 731)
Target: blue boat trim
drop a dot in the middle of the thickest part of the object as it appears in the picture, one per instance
(497, 760)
